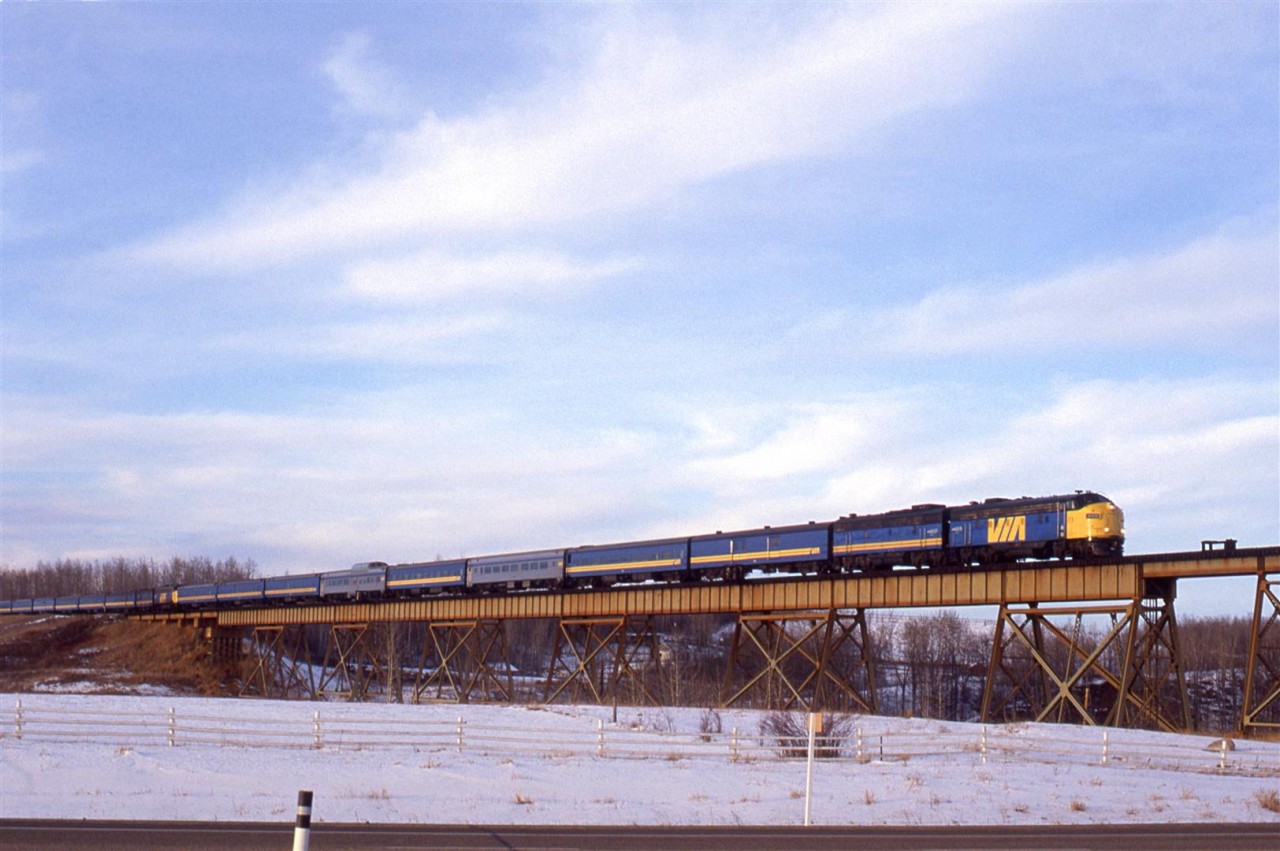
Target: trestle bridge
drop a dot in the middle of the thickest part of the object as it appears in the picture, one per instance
(798, 641)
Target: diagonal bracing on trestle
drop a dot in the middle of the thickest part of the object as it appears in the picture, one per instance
(1129, 673)
(811, 660)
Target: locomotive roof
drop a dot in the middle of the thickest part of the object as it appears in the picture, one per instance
(999, 505)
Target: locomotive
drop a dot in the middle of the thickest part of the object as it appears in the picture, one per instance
(929, 536)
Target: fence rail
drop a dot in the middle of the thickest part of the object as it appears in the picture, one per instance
(33, 723)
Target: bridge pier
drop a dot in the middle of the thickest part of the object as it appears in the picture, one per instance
(597, 656)
(463, 659)
(1130, 676)
(274, 666)
(1260, 711)
(809, 660)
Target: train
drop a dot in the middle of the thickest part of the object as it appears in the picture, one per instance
(930, 536)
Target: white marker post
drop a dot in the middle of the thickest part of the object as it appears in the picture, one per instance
(815, 727)
(302, 828)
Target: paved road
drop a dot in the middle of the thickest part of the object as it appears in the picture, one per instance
(25, 835)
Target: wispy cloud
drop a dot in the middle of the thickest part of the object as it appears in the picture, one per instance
(365, 85)
(656, 113)
(1196, 295)
(432, 276)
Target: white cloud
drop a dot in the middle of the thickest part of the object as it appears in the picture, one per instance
(1214, 288)
(656, 114)
(366, 86)
(434, 275)
(406, 339)
(13, 162)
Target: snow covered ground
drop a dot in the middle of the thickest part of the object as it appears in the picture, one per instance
(90, 756)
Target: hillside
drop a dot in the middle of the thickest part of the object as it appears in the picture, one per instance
(96, 655)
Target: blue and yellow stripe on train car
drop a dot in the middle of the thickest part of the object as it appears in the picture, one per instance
(426, 580)
(633, 566)
(888, 546)
(755, 555)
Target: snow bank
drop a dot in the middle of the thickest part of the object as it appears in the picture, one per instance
(520, 776)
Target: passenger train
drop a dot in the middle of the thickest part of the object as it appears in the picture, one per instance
(928, 537)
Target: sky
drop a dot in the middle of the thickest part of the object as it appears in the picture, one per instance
(318, 283)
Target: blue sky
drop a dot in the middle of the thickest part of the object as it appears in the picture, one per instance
(316, 283)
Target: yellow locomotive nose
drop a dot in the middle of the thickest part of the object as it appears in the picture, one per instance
(1099, 525)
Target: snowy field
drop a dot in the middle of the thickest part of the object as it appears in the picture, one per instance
(88, 756)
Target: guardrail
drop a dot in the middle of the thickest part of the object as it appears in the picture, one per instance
(990, 744)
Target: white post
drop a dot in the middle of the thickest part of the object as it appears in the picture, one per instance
(982, 746)
(1222, 755)
(733, 746)
(1106, 747)
(173, 727)
(600, 737)
(857, 739)
(302, 826)
(459, 732)
(17, 721)
(815, 725)
(317, 741)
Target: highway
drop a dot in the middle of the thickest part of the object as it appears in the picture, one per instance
(43, 835)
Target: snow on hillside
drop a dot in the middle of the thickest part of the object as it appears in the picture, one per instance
(89, 756)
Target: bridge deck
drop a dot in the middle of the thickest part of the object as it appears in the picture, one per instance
(1122, 579)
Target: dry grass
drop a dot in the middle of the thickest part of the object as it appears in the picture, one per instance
(1268, 799)
(107, 656)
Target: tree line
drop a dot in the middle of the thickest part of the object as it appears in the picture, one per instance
(75, 577)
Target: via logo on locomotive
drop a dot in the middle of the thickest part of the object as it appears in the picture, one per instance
(1005, 530)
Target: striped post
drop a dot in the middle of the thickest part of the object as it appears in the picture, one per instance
(302, 828)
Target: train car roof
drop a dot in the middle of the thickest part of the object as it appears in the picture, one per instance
(437, 563)
(650, 542)
(763, 530)
(505, 557)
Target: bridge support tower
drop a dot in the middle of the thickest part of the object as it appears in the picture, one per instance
(464, 660)
(802, 660)
(1128, 673)
(1260, 713)
(611, 659)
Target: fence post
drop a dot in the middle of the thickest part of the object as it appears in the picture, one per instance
(600, 737)
(1222, 755)
(459, 732)
(733, 746)
(1106, 747)
(302, 826)
(173, 727)
(982, 746)
(857, 744)
(317, 739)
(17, 721)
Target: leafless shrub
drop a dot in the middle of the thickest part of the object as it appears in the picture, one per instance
(709, 724)
(790, 732)
(1268, 799)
